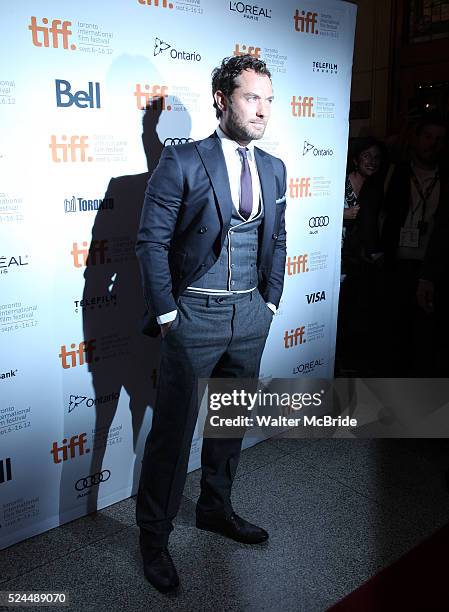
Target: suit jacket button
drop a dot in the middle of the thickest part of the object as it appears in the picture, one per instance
(203, 229)
(275, 236)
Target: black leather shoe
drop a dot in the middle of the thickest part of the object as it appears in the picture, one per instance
(232, 526)
(159, 569)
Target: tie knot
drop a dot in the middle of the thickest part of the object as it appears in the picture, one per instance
(242, 152)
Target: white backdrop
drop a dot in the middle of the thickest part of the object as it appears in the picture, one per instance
(77, 378)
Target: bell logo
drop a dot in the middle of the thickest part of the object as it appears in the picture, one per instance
(295, 337)
(77, 356)
(305, 22)
(300, 187)
(163, 4)
(297, 264)
(75, 442)
(93, 256)
(149, 95)
(302, 106)
(81, 99)
(72, 151)
(59, 30)
(253, 51)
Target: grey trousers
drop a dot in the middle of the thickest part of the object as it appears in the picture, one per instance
(220, 337)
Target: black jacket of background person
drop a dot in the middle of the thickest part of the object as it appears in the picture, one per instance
(362, 233)
(397, 203)
(436, 262)
(185, 218)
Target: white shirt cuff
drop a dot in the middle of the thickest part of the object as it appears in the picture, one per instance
(272, 307)
(167, 317)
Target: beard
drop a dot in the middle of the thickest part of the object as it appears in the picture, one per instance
(240, 131)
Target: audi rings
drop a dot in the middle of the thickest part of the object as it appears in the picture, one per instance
(168, 142)
(319, 221)
(92, 480)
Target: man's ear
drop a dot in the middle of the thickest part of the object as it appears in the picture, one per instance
(220, 100)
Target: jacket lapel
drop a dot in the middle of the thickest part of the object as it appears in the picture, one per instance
(213, 159)
(268, 188)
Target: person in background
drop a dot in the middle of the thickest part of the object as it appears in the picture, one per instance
(413, 201)
(360, 255)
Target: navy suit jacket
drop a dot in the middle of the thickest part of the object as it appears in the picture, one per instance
(185, 218)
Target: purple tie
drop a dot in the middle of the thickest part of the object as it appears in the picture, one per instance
(246, 186)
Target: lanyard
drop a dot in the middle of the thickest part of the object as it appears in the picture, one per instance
(424, 196)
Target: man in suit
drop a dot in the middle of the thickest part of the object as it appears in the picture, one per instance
(211, 248)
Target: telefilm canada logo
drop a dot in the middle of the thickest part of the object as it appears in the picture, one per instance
(325, 67)
(250, 11)
(316, 151)
(77, 204)
(162, 47)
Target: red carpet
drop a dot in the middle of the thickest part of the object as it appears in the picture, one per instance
(418, 582)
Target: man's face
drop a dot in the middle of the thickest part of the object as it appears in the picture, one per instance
(429, 143)
(246, 112)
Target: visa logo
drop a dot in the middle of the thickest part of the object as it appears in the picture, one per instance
(312, 298)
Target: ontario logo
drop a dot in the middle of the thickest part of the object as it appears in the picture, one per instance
(83, 400)
(316, 151)
(162, 47)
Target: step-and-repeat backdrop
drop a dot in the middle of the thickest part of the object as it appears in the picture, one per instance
(90, 93)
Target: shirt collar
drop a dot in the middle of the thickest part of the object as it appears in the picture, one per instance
(231, 145)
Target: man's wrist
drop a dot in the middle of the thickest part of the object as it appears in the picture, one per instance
(272, 307)
(167, 317)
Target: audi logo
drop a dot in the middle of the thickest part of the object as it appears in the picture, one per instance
(168, 142)
(318, 221)
(92, 480)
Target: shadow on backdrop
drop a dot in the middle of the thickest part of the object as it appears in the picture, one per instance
(123, 359)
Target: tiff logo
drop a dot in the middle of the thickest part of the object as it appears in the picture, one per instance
(155, 96)
(297, 264)
(253, 51)
(81, 99)
(302, 106)
(157, 3)
(295, 337)
(75, 442)
(83, 354)
(90, 257)
(305, 22)
(300, 187)
(58, 30)
(76, 144)
(5, 470)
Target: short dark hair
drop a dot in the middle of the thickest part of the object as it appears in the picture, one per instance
(223, 77)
